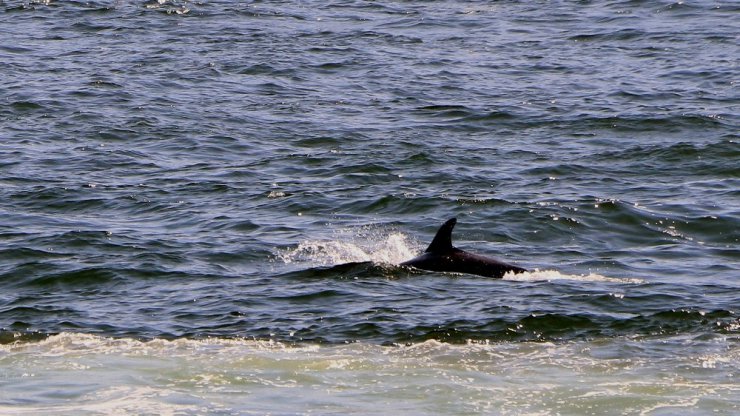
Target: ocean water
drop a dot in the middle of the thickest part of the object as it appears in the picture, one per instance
(203, 206)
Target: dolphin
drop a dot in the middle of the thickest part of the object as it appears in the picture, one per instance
(441, 256)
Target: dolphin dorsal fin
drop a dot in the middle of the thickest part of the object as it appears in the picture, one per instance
(443, 240)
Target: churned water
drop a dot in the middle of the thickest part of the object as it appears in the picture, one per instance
(203, 206)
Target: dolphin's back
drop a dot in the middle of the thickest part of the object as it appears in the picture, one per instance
(465, 262)
(441, 256)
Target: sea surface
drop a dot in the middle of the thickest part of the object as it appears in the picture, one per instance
(203, 205)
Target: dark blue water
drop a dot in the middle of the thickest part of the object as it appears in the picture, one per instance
(190, 169)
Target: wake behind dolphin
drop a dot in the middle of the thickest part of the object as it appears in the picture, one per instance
(441, 256)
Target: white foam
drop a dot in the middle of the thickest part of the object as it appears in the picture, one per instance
(548, 275)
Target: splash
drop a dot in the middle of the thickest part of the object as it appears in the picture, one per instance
(547, 275)
(353, 246)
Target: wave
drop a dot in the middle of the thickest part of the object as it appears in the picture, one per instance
(242, 376)
(71, 343)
